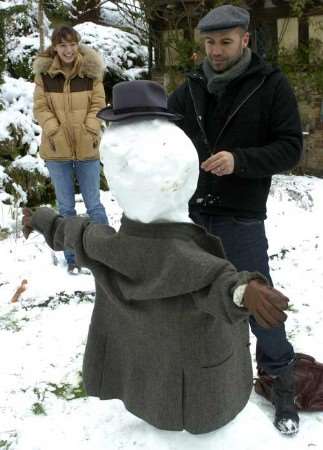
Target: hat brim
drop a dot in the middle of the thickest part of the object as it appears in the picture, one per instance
(108, 115)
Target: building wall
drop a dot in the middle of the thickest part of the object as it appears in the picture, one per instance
(287, 33)
(316, 27)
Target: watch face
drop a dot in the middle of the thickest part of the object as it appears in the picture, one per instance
(238, 294)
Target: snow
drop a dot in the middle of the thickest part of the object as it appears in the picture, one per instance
(3, 176)
(31, 164)
(111, 15)
(41, 347)
(120, 49)
(5, 5)
(22, 47)
(17, 99)
(139, 157)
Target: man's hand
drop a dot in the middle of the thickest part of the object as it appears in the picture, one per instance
(222, 163)
(26, 222)
(265, 303)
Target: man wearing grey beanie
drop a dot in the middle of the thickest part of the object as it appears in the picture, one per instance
(242, 116)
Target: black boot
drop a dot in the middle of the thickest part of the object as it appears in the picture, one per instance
(283, 395)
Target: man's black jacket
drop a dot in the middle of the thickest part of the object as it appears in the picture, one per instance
(257, 120)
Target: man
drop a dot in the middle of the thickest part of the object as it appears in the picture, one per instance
(242, 116)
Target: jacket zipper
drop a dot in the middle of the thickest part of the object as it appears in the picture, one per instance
(70, 133)
(198, 116)
(238, 108)
(231, 115)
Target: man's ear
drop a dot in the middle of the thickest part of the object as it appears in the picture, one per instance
(245, 39)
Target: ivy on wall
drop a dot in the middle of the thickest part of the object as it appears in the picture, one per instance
(303, 67)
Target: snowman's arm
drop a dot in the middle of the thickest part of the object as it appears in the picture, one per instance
(217, 298)
(70, 233)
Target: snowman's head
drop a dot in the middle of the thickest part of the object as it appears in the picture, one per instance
(152, 169)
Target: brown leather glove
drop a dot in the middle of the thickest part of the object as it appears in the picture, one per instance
(265, 303)
(26, 222)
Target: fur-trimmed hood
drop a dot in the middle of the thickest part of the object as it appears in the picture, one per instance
(91, 64)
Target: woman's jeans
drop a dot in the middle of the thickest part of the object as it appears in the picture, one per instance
(87, 173)
(245, 245)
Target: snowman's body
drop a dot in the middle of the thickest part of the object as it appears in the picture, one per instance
(165, 336)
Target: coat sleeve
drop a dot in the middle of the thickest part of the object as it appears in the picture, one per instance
(285, 149)
(217, 298)
(176, 104)
(92, 123)
(73, 233)
(42, 113)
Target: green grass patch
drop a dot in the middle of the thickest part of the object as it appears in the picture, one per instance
(38, 409)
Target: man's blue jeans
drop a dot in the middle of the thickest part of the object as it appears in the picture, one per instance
(245, 244)
(87, 173)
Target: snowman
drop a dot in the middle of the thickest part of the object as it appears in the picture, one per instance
(169, 331)
(151, 165)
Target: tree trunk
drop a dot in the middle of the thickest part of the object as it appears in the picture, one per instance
(41, 25)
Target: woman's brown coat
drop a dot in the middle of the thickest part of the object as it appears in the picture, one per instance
(65, 105)
(165, 336)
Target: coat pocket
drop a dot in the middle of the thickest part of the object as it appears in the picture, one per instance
(87, 143)
(215, 342)
(213, 396)
(225, 357)
(59, 144)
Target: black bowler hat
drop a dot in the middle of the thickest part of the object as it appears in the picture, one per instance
(138, 98)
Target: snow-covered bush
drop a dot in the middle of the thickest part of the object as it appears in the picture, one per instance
(20, 56)
(22, 41)
(19, 136)
(8, 14)
(16, 119)
(124, 55)
(32, 176)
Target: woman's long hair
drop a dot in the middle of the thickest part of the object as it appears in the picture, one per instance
(59, 34)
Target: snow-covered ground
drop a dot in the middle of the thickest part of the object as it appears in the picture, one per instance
(42, 339)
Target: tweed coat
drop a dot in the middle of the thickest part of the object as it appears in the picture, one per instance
(165, 336)
(66, 106)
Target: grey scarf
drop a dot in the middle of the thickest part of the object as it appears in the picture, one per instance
(216, 82)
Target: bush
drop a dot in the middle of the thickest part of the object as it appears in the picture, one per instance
(29, 175)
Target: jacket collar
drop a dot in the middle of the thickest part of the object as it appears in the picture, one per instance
(159, 230)
(56, 67)
(161, 260)
(89, 64)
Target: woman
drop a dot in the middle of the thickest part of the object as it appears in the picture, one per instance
(68, 94)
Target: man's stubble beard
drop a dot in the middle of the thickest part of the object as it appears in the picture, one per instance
(229, 63)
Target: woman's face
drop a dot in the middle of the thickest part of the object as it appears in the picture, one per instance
(67, 51)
